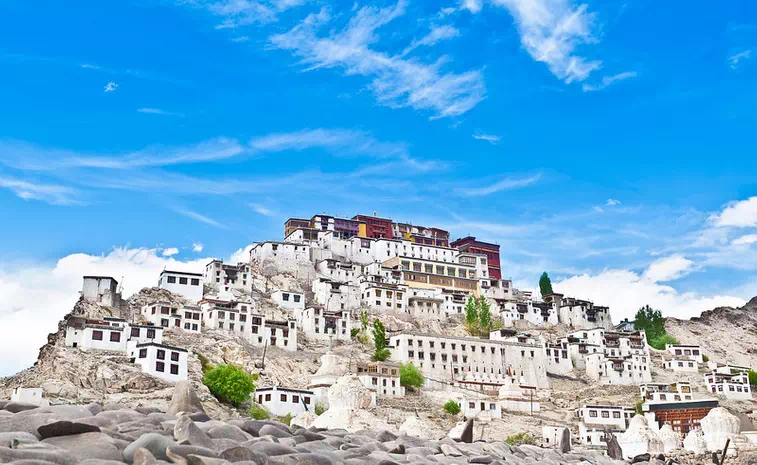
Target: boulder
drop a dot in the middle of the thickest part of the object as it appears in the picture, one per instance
(614, 450)
(94, 445)
(462, 432)
(414, 426)
(155, 443)
(143, 457)
(54, 456)
(65, 428)
(718, 426)
(304, 419)
(15, 407)
(186, 432)
(184, 400)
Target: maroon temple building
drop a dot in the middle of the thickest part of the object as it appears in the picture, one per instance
(471, 245)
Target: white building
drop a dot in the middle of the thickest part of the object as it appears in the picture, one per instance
(383, 378)
(731, 386)
(480, 407)
(631, 369)
(683, 365)
(558, 359)
(319, 323)
(336, 295)
(33, 396)
(163, 361)
(236, 317)
(595, 419)
(289, 299)
(552, 436)
(685, 352)
(286, 255)
(480, 364)
(186, 284)
(282, 401)
(139, 334)
(96, 335)
(658, 392)
(579, 313)
(102, 290)
(224, 278)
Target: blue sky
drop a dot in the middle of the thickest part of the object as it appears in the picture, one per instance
(610, 143)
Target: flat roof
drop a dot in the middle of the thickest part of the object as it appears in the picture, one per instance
(162, 346)
(615, 407)
(101, 277)
(681, 405)
(281, 388)
(181, 272)
(471, 340)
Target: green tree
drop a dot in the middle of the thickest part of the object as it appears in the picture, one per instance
(364, 321)
(651, 321)
(379, 340)
(229, 383)
(258, 413)
(545, 284)
(661, 341)
(452, 407)
(411, 377)
(484, 316)
(471, 316)
(752, 377)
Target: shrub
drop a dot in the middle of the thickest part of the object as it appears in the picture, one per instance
(204, 363)
(660, 341)
(520, 439)
(286, 419)
(379, 339)
(319, 408)
(257, 412)
(752, 377)
(411, 377)
(354, 332)
(229, 383)
(705, 358)
(452, 407)
(639, 407)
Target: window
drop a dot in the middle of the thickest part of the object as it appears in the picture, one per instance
(172, 280)
(161, 354)
(285, 297)
(142, 353)
(295, 399)
(160, 366)
(183, 281)
(135, 332)
(593, 413)
(97, 335)
(306, 400)
(267, 397)
(115, 336)
(195, 282)
(174, 356)
(174, 369)
(616, 414)
(164, 323)
(297, 298)
(283, 397)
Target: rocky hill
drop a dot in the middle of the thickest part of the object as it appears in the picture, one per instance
(725, 333)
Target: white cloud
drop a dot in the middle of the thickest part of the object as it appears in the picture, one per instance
(739, 214)
(474, 6)
(436, 35)
(197, 247)
(111, 86)
(36, 296)
(261, 209)
(625, 292)
(241, 255)
(551, 30)
(201, 218)
(492, 139)
(158, 111)
(89, 66)
(236, 13)
(734, 60)
(171, 251)
(669, 268)
(612, 202)
(505, 184)
(745, 240)
(608, 80)
(48, 193)
(339, 140)
(395, 81)
(240, 39)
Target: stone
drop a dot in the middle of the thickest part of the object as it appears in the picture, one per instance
(718, 426)
(93, 462)
(229, 432)
(614, 450)
(671, 440)
(56, 456)
(272, 449)
(179, 453)
(186, 431)
(6, 439)
(481, 459)
(270, 430)
(641, 458)
(199, 417)
(147, 410)
(93, 445)
(450, 451)
(304, 419)
(639, 439)
(414, 426)
(153, 442)
(242, 454)
(69, 412)
(399, 449)
(467, 433)
(15, 407)
(694, 442)
(202, 460)
(385, 436)
(565, 441)
(65, 428)
(184, 399)
(143, 457)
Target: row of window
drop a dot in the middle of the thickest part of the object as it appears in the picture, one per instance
(428, 268)
(284, 398)
(194, 281)
(115, 336)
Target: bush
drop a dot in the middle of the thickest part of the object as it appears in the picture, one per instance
(520, 439)
(229, 383)
(286, 419)
(452, 407)
(660, 341)
(752, 377)
(639, 407)
(319, 408)
(411, 377)
(354, 332)
(257, 412)
(705, 358)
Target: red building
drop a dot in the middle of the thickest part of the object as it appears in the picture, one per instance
(471, 245)
(375, 227)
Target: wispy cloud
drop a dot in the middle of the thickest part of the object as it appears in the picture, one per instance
(503, 185)
(474, 6)
(341, 141)
(609, 80)
(89, 66)
(739, 214)
(669, 268)
(492, 139)
(396, 82)
(612, 202)
(236, 13)
(550, 31)
(436, 35)
(158, 111)
(745, 240)
(48, 193)
(169, 252)
(734, 60)
(260, 209)
(201, 218)
(197, 247)
(240, 39)
(111, 86)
